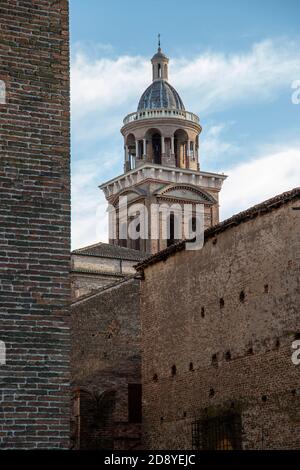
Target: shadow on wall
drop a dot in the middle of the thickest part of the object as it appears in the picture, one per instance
(92, 419)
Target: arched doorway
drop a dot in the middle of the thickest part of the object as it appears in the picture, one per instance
(92, 419)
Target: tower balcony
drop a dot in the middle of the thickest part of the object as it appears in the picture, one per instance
(161, 113)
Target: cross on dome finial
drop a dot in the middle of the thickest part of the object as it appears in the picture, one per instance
(159, 63)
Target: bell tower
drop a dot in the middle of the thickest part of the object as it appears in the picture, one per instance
(161, 165)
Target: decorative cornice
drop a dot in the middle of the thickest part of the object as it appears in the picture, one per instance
(162, 174)
(187, 187)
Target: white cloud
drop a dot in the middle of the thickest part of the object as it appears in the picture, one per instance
(105, 83)
(89, 217)
(213, 145)
(91, 49)
(259, 179)
(248, 183)
(217, 80)
(207, 82)
(104, 89)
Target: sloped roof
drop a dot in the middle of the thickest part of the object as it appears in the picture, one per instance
(100, 290)
(244, 216)
(106, 250)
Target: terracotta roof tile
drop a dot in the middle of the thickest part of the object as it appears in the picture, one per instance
(106, 250)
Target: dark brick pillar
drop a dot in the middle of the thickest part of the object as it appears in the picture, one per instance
(35, 223)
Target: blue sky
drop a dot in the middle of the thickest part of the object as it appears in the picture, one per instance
(232, 62)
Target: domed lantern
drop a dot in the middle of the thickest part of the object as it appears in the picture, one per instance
(161, 131)
(161, 173)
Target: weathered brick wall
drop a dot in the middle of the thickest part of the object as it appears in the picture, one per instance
(35, 223)
(232, 355)
(105, 358)
(92, 420)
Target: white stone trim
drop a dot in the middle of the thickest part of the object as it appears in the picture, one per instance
(164, 174)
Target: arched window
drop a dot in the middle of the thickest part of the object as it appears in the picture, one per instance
(180, 144)
(153, 144)
(131, 149)
(156, 146)
(159, 70)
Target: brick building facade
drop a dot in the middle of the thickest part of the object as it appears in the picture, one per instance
(106, 368)
(99, 265)
(223, 320)
(35, 227)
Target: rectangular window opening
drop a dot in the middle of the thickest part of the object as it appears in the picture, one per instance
(134, 403)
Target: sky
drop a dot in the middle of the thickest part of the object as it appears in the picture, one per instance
(235, 63)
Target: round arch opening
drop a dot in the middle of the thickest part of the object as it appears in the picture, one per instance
(154, 150)
(180, 147)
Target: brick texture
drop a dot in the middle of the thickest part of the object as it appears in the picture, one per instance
(35, 223)
(225, 317)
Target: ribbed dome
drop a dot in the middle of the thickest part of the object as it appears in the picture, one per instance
(160, 94)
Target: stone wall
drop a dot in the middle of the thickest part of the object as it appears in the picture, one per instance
(223, 320)
(99, 264)
(89, 273)
(106, 358)
(35, 226)
(83, 283)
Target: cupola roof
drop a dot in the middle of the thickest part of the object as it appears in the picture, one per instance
(160, 94)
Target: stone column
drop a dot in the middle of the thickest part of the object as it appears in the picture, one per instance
(144, 148)
(194, 150)
(136, 149)
(172, 145)
(188, 153)
(163, 148)
(127, 165)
